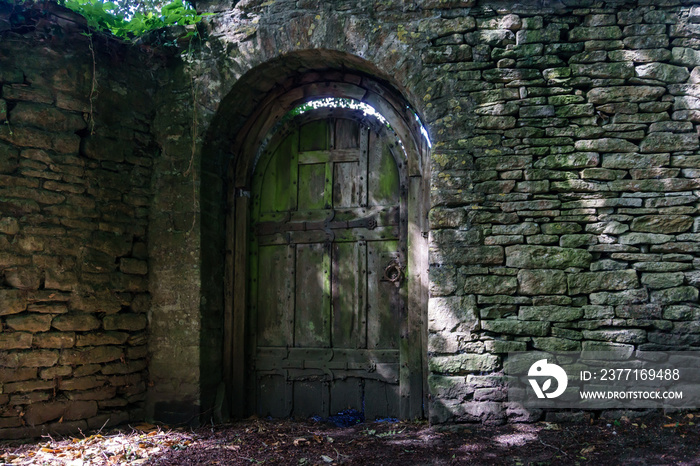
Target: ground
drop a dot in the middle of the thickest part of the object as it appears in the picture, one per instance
(657, 439)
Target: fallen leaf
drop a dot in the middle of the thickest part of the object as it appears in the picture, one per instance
(327, 459)
(300, 441)
(588, 450)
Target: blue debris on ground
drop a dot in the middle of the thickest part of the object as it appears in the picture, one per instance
(347, 418)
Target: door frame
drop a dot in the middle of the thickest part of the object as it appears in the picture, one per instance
(249, 143)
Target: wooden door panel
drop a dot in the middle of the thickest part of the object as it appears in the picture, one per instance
(347, 394)
(273, 396)
(383, 299)
(275, 295)
(349, 280)
(279, 183)
(328, 322)
(381, 400)
(312, 187)
(311, 398)
(346, 189)
(312, 317)
(383, 183)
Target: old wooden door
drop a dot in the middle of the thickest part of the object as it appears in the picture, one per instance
(327, 267)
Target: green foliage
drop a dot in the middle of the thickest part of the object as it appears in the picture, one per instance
(131, 18)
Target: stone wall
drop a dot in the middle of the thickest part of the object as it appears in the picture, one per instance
(75, 177)
(564, 212)
(565, 177)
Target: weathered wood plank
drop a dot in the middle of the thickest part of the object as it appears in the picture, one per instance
(324, 156)
(275, 296)
(272, 396)
(312, 307)
(383, 174)
(311, 398)
(383, 317)
(313, 193)
(347, 332)
(341, 236)
(346, 394)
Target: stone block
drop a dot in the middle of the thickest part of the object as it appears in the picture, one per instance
(551, 313)
(685, 56)
(618, 336)
(30, 322)
(82, 383)
(516, 327)
(463, 363)
(588, 282)
(663, 72)
(23, 278)
(675, 295)
(606, 145)
(669, 142)
(542, 282)
(546, 257)
(76, 322)
(33, 358)
(604, 95)
(617, 351)
(555, 344)
(490, 284)
(46, 117)
(453, 313)
(91, 355)
(54, 340)
(15, 340)
(620, 298)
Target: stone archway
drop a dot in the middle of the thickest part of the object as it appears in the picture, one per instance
(256, 132)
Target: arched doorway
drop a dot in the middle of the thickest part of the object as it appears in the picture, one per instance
(326, 309)
(326, 269)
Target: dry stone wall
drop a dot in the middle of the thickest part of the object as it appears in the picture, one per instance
(75, 174)
(565, 178)
(567, 220)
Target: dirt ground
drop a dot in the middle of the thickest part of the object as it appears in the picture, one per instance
(653, 440)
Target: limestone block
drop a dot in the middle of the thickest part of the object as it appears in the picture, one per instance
(30, 322)
(76, 322)
(516, 327)
(453, 313)
(669, 142)
(675, 295)
(546, 257)
(663, 72)
(15, 340)
(551, 313)
(490, 284)
(56, 340)
(662, 280)
(463, 363)
(545, 281)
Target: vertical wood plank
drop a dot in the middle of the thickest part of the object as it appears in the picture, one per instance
(383, 318)
(312, 299)
(272, 396)
(346, 184)
(363, 174)
(311, 398)
(313, 193)
(383, 182)
(294, 171)
(346, 394)
(275, 298)
(346, 293)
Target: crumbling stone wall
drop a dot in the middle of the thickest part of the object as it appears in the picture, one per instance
(75, 175)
